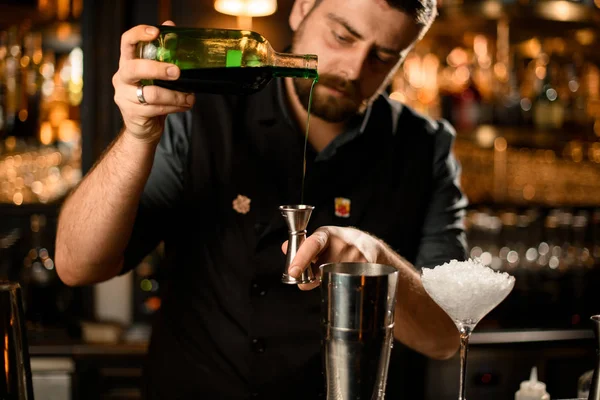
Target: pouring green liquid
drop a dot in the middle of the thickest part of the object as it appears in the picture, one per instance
(315, 80)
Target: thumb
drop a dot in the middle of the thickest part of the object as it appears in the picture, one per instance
(169, 23)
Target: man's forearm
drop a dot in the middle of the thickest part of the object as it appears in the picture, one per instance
(420, 323)
(96, 219)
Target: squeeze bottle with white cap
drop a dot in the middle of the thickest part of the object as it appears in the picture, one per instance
(532, 389)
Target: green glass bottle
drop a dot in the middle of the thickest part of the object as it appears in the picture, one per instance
(223, 60)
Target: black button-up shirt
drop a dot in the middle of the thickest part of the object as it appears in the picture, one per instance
(228, 328)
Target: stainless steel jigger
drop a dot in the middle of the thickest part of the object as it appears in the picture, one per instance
(358, 302)
(296, 217)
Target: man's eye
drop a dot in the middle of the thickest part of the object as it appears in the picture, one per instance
(385, 59)
(339, 38)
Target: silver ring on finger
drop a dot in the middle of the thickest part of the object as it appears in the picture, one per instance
(140, 95)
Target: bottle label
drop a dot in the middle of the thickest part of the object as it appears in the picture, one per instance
(234, 58)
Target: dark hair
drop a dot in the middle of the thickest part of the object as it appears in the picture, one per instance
(423, 11)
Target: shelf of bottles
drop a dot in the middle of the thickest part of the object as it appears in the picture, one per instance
(526, 107)
(520, 82)
(41, 83)
(554, 254)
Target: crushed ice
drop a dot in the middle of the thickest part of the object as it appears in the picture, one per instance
(466, 290)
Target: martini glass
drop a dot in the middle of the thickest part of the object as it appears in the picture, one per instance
(467, 291)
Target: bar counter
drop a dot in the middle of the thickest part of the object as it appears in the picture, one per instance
(498, 362)
(80, 348)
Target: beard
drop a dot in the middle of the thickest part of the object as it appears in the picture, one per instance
(327, 106)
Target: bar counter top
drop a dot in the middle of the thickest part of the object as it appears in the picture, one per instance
(503, 356)
(528, 336)
(80, 348)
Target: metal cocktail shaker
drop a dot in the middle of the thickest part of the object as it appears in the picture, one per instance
(358, 302)
(15, 379)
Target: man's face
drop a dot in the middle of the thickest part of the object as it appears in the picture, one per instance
(359, 44)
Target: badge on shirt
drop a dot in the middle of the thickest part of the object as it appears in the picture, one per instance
(342, 207)
(241, 204)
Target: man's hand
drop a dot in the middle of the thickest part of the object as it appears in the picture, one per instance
(334, 244)
(146, 121)
(424, 326)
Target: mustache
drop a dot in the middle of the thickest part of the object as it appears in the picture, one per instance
(338, 83)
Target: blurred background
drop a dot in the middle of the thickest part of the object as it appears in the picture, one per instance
(518, 79)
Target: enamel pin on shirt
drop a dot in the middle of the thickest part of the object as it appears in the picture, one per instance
(342, 207)
(241, 204)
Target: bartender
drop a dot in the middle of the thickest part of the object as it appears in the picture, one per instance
(205, 174)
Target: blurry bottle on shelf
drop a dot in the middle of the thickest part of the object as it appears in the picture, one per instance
(506, 95)
(580, 249)
(529, 238)
(548, 109)
(3, 57)
(507, 107)
(47, 9)
(461, 99)
(556, 259)
(528, 88)
(592, 84)
(29, 113)
(147, 289)
(574, 91)
(596, 235)
(40, 280)
(13, 81)
(484, 75)
(9, 238)
(565, 221)
(508, 256)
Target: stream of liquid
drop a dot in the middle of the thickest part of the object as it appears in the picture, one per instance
(306, 137)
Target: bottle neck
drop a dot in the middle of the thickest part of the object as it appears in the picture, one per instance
(295, 65)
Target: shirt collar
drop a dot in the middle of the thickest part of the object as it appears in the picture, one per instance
(376, 117)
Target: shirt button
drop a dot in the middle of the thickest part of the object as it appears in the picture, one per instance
(259, 228)
(258, 289)
(258, 345)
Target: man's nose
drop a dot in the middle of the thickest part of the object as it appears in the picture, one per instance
(354, 63)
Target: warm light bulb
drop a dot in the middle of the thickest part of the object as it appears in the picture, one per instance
(248, 8)
(231, 7)
(264, 7)
(46, 133)
(68, 130)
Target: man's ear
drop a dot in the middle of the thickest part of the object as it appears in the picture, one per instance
(300, 10)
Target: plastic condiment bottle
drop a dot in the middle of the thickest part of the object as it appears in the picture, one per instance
(532, 389)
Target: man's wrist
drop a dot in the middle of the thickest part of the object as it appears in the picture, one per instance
(131, 139)
(385, 255)
(389, 257)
